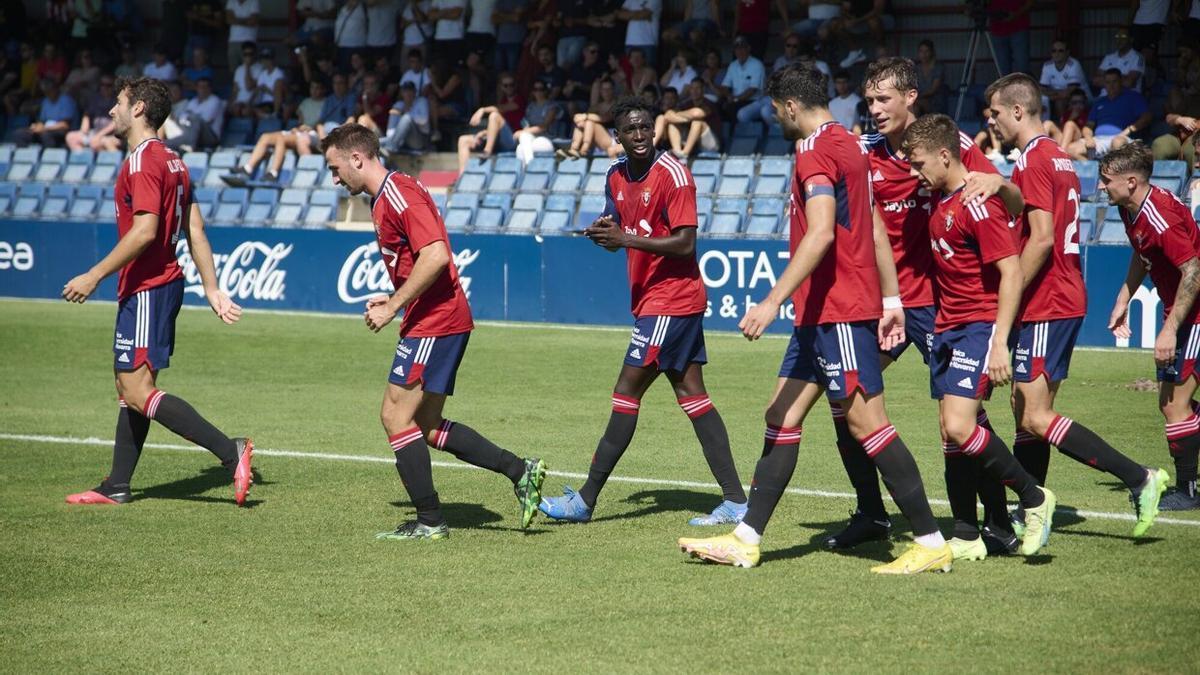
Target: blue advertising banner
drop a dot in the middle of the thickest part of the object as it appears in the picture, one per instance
(513, 278)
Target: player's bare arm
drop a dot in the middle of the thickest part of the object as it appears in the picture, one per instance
(981, 185)
(819, 209)
(1118, 321)
(1008, 300)
(891, 325)
(145, 228)
(222, 305)
(1189, 284)
(1037, 249)
(430, 262)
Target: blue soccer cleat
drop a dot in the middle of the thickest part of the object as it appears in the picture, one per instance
(726, 513)
(570, 507)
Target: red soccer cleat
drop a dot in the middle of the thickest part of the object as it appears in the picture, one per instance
(242, 476)
(97, 497)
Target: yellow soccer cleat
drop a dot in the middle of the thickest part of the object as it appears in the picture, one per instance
(968, 549)
(1037, 524)
(918, 558)
(723, 550)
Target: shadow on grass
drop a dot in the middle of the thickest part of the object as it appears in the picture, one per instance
(665, 501)
(193, 488)
(880, 551)
(465, 516)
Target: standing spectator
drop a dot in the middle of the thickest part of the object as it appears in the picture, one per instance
(408, 122)
(701, 23)
(82, 80)
(481, 32)
(1114, 118)
(538, 125)
(1147, 19)
(1061, 75)
(205, 20)
(1125, 59)
(416, 26)
(129, 67)
(820, 12)
(931, 80)
(57, 113)
(95, 129)
(860, 23)
(1183, 108)
(1009, 28)
(52, 64)
(84, 15)
(449, 28)
(1191, 22)
(712, 74)
(844, 106)
(245, 82)
(242, 18)
(318, 16)
(381, 28)
(752, 20)
(541, 23)
(499, 121)
(578, 91)
(642, 30)
(574, 16)
(172, 22)
(743, 83)
(509, 17)
(680, 74)
(195, 71)
(270, 85)
(550, 74)
(160, 68)
(350, 32)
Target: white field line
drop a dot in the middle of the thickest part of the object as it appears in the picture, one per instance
(269, 452)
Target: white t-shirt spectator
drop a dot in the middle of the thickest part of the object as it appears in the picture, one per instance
(1070, 75)
(419, 113)
(845, 110)
(680, 80)
(742, 76)
(266, 82)
(164, 72)
(824, 11)
(420, 79)
(1151, 12)
(481, 17)
(242, 9)
(245, 94)
(381, 24)
(208, 110)
(643, 32)
(313, 23)
(414, 33)
(1130, 62)
(350, 27)
(450, 29)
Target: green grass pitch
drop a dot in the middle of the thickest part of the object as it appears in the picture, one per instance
(180, 579)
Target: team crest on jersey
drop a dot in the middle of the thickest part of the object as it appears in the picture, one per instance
(646, 197)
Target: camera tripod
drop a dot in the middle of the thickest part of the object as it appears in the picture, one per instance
(978, 35)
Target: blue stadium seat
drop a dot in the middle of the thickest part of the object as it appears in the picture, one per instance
(195, 160)
(599, 166)
(107, 212)
(258, 213)
(439, 200)
(232, 195)
(53, 207)
(60, 191)
(75, 173)
(89, 192)
(288, 214)
(574, 165)
(206, 209)
(504, 182)
(8, 190)
(319, 216)
(326, 180)
(507, 163)
(305, 178)
(733, 185)
(702, 222)
(768, 206)
(83, 157)
(54, 156)
(458, 220)
(762, 226)
(6, 153)
(324, 198)
(1089, 175)
(1112, 229)
(19, 172)
(778, 146)
(488, 218)
(705, 183)
(534, 182)
(1166, 168)
(227, 213)
(771, 185)
(738, 166)
(731, 205)
(206, 195)
(596, 183)
(32, 189)
(1087, 221)
(264, 196)
(5, 205)
(29, 154)
(1172, 184)
(479, 165)
(522, 221)
(103, 174)
(48, 171)
(554, 222)
(704, 204)
(498, 200)
(775, 166)
(561, 202)
(743, 146)
(566, 182)
(706, 167)
(725, 224)
(464, 200)
(83, 209)
(110, 157)
(223, 159)
(540, 165)
(529, 202)
(590, 208)
(471, 182)
(26, 207)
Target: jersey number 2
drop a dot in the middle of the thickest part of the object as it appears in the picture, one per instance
(1071, 236)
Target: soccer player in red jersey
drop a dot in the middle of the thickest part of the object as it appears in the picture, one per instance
(154, 207)
(834, 282)
(433, 334)
(903, 207)
(1054, 302)
(1166, 244)
(651, 213)
(977, 277)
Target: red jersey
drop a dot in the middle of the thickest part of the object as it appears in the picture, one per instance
(1046, 177)
(406, 221)
(1164, 235)
(655, 205)
(152, 180)
(905, 207)
(966, 239)
(844, 287)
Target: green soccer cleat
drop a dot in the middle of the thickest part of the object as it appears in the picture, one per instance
(529, 489)
(1037, 524)
(415, 530)
(968, 549)
(1145, 502)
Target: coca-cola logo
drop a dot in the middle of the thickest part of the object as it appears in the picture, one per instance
(365, 273)
(249, 272)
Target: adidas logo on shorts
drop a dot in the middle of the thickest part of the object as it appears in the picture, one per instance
(965, 383)
(833, 386)
(1021, 368)
(636, 353)
(124, 358)
(398, 371)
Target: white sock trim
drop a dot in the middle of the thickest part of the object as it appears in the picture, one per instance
(747, 534)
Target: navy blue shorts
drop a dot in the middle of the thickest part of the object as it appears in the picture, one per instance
(918, 332)
(432, 361)
(1044, 348)
(145, 330)
(958, 361)
(1187, 347)
(828, 354)
(667, 342)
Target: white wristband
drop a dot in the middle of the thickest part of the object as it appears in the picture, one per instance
(892, 302)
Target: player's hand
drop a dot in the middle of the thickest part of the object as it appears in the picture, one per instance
(605, 232)
(224, 307)
(891, 328)
(379, 313)
(1118, 322)
(980, 186)
(758, 318)
(1164, 347)
(80, 288)
(999, 365)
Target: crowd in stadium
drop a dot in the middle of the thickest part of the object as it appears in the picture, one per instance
(535, 76)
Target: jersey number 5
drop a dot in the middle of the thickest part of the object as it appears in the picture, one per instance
(178, 214)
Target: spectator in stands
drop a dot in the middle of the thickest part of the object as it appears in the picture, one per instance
(860, 23)
(641, 31)
(340, 103)
(416, 29)
(581, 80)
(639, 71)
(205, 20)
(820, 12)
(1061, 75)
(695, 115)
(538, 125)
(480, 87)
(408, 122)
(752, 20)
(667, 99)
(304, 139)
(791, 53)
(270, 86)
(373, 105)
(389, 76)
(318, 17)
(95, 130)
(245, 82)
(381, 28)
(844, 106)
(57, 114)
(1009, 28)
(988, 141)
(52, 65)
(84, 15)
(1074, 118)
(550, 74)
(10, 76)
(160, 68)
(713, 74)
(242, 18)
(592, 122)
(449, 29)
(199, 121)
(1147, 19)
(417, 73)
(129, 66)
(1115, 118)
(573, 31)
(1189, 18)
(447, 97)
(701, 23)
(1126, 59)
(743, 83)
(680, 73)
(931, 80)
(509, 17)
(82, 80)
(541, 21)
(357, 71)
(350, 33)
(1183, 107)
(1154, 83)
(498, 121)
(480, 31)
(308, 112)
(197, 70)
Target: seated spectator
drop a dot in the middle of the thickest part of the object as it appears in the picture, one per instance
(308, 112)
(713, 74)
(129, 66)
(389, 76)
(931, 80)
(373, 105)
(549, 73)
(990, 143)
(791, 53)
(861, 23)
(1127, 60)
(200, 120)
(95, 130)
(358, 71)
(743, 84)
(1061, 75)
(844, 106)
(245, 82)
(592, 122)
(10, 74)
(52, 65)
(1114, 118)
(577, 92)
(639, 74)
(538, 125)
(57, 114)
(340, 103)
(160, 68)
(1183, 108)
(680, 73)
(417, 73)
(197, 70)
(1074, 119)
(700, 24)
(82, 80)
(498, 123)
(694, 114)
(270, 85)
(408, 122)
